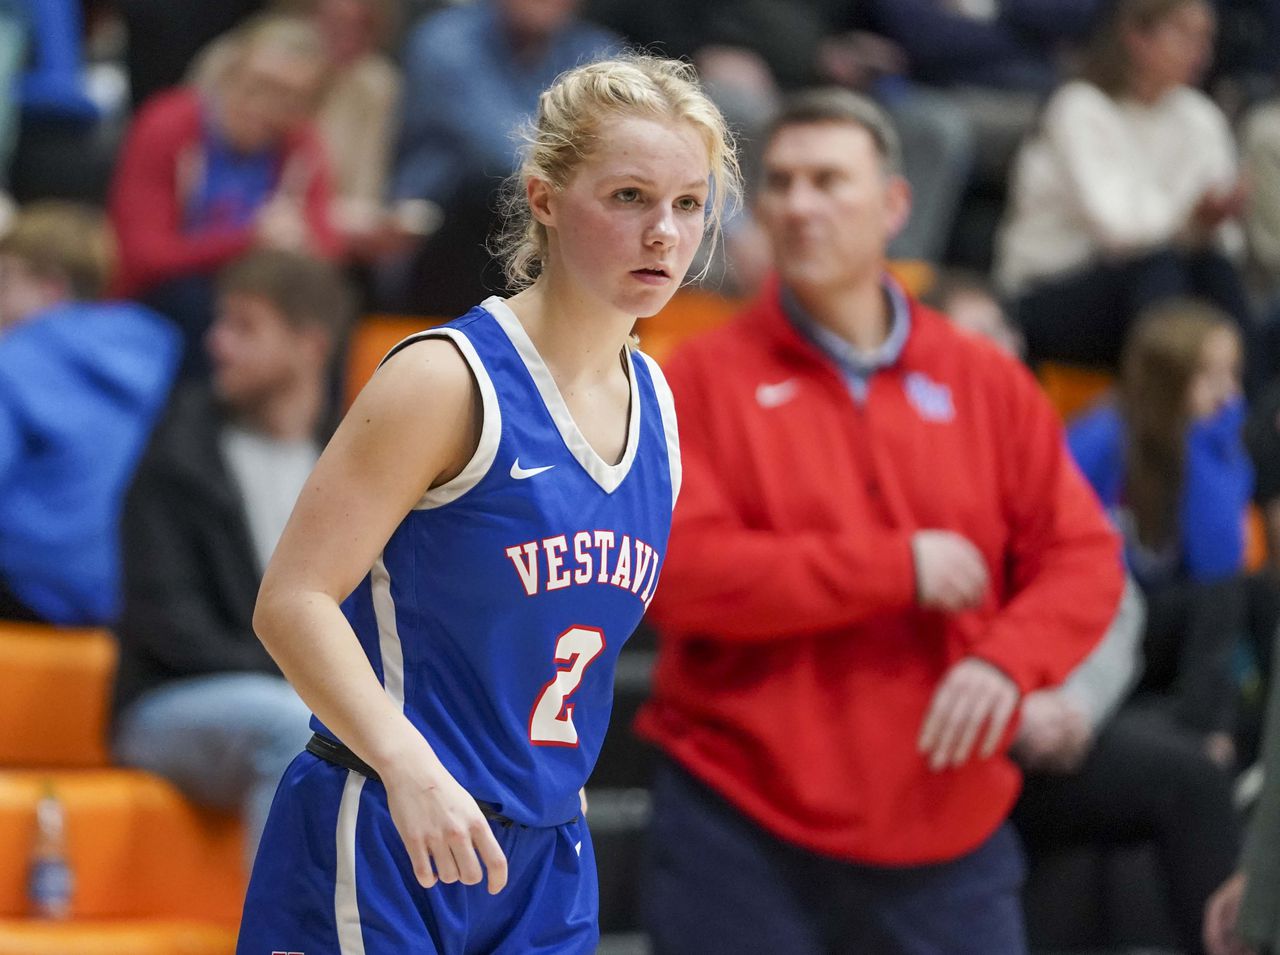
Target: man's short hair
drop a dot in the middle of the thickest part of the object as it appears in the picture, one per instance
(63, 241)
(836, 105)
(308, 292)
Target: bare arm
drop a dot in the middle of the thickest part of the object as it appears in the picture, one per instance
(365, 482)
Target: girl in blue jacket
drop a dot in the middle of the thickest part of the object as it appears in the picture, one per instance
(1168, 460)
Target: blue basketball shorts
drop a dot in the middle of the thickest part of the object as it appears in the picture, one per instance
(332, 877)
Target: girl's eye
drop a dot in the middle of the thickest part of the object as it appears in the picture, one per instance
(627, 195)
(688, 204)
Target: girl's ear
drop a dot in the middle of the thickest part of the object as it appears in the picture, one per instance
(541, 198)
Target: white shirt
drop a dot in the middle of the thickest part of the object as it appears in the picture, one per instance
(270, 474)
(1105, 177)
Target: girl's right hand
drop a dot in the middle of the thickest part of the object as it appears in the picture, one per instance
(444, 831)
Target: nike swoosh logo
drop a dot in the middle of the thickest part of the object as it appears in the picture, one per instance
(520, 473)
(771, 396)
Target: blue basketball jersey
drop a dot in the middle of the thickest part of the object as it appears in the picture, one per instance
(495, 614)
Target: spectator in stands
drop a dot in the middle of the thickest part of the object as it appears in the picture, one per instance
(357, 116)
(1243, 917)
(206, 175)
(1096, 773)
(968, 299)
(198, 700)
(844, 635)
(474, 72)
(1004, 44)
(1167, 457)
(81, 383)
(359, 113)
(1129, 191)
(1261, 147)
(1103, 775)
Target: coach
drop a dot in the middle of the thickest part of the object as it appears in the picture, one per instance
(882, 544)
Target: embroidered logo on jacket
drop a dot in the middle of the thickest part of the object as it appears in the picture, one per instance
(932, 399)
(773, 395)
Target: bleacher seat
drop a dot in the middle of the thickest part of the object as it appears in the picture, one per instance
(371, 339)
(137, 848)
(130, 937)
(153, 873)
(55, 690)
(1073, 388)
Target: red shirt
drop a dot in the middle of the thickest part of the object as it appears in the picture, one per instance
(155, 175)
(795, 666)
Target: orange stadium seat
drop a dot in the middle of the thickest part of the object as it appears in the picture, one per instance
(137, 848)
(131, 937)
(1071, 388)
(915, 275)
(690, 311)
(371, 339)
(1255, 540)
(55, 688)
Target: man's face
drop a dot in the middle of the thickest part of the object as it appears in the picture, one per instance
(254, 351)
(828, 205)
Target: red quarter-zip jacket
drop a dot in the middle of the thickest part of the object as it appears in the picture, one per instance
(795, 667)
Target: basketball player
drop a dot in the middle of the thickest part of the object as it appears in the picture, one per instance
(478, 540)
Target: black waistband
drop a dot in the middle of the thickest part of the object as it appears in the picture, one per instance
(334, 752)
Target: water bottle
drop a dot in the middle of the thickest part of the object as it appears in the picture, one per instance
(50, 879)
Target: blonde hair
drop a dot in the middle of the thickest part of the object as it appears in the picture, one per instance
(565, 129)
(63, 241)
(286, 34)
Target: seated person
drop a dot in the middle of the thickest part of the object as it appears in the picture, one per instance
(1100, 774)
(1168, 460)
(206, 174)
(474, 72)
(1128, 193)
(197, 698)
(81, 384)
(968, 300)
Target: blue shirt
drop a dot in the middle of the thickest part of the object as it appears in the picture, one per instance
(1217, 482)
(233, 185)
(470, 95)
(80, 388)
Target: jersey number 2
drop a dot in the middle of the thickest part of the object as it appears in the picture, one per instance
(551, 722)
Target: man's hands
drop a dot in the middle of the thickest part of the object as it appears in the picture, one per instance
(973, 696)
(950, 572)
(444, 831)
(1054, 736)
(951, 575)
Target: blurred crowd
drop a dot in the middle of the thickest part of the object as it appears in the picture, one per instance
(198, 200)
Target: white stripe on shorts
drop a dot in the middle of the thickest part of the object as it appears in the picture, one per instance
(346, 912)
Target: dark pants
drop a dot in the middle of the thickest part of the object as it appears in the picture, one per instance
(717, 884)
(1143, 781)
(1084, 317)
(1193, 631)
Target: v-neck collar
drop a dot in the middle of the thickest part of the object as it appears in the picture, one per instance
(608, 476)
